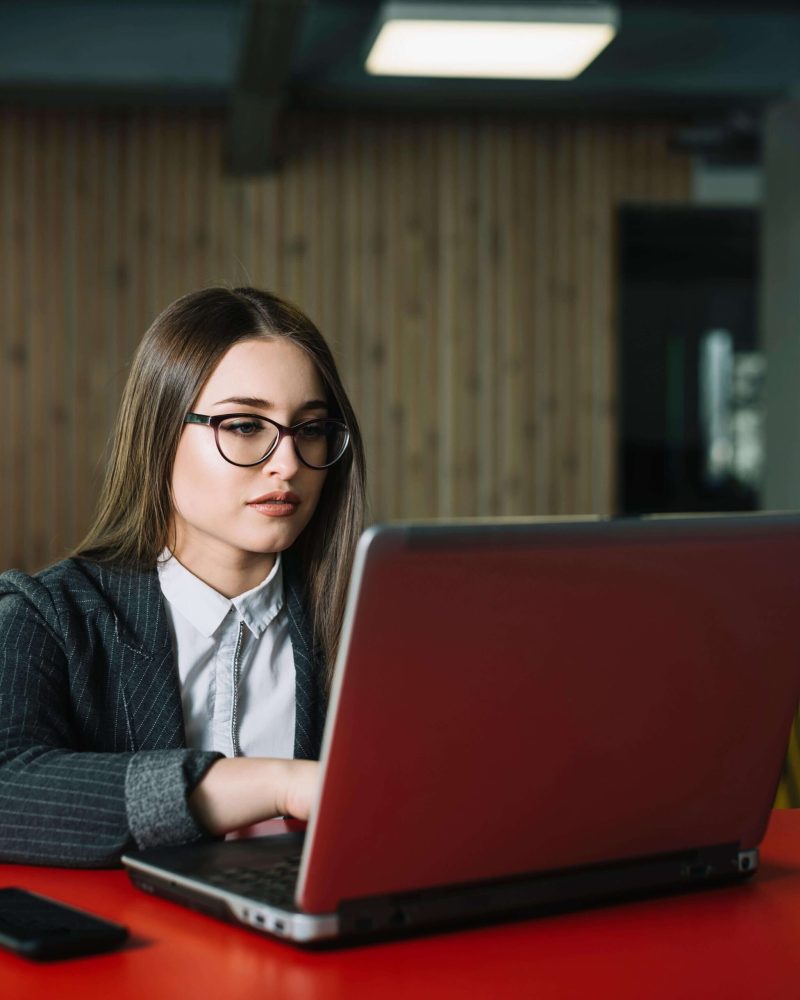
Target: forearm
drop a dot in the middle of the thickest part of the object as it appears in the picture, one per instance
(239, 791)
(63, 807)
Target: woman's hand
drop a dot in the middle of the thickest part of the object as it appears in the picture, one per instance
(239, 791)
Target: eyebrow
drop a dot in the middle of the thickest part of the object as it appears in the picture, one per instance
(265, 404)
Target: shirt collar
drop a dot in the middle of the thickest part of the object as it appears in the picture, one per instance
(205, 608)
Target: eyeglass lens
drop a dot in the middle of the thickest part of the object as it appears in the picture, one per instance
(246, 440)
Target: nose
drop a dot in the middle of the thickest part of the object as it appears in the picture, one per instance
(283, 463)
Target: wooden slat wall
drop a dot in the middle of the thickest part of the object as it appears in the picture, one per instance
(462, 266)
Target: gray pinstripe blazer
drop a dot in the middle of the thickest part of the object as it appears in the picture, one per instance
(93, 758)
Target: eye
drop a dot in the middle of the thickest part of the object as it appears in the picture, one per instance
(242, 427)
(312, 432)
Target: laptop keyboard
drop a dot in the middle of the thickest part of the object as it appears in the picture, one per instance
(274, 885)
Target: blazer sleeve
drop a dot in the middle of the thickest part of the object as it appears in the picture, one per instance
(61, 803)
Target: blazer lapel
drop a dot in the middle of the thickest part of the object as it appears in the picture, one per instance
(141, 656)
(309, 682)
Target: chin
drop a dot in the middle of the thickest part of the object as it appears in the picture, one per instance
(277, 541)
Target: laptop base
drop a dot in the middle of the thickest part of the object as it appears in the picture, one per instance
(395, 915)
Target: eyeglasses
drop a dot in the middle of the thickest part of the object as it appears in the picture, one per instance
(247, 439)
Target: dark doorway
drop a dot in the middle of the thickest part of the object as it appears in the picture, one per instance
(690, 370)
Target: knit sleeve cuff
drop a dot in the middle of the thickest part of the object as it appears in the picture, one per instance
(158, 784)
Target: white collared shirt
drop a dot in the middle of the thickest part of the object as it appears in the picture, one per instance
(235, 663)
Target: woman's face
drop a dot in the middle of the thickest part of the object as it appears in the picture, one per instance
(229, 518)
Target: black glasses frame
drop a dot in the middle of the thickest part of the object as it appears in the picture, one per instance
(214, 421)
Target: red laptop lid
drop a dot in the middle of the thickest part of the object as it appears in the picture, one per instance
(518, 697)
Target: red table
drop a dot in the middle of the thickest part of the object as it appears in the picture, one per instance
(734, 942)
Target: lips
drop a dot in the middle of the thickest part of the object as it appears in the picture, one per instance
(278, 496)
(280, 503)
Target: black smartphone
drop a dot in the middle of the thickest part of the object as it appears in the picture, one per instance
(42, 928)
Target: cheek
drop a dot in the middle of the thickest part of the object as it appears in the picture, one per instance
(316, 482)
(197, 476)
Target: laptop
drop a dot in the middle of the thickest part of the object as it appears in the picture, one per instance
(529, 715)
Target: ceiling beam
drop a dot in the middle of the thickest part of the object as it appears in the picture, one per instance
(269, 38)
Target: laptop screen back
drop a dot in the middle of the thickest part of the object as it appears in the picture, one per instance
(551, 695)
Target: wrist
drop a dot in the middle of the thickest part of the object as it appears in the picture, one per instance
(279, 780)
(238, 791)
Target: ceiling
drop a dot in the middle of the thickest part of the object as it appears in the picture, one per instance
(702, 58)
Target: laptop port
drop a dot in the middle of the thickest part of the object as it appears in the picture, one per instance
(699, 870)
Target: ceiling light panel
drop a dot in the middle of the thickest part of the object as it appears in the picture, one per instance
(524, 42)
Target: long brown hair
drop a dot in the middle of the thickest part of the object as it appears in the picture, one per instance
(174, 360)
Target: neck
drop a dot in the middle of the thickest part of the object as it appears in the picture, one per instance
(230, 574)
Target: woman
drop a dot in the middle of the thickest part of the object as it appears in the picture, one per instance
(155, 687)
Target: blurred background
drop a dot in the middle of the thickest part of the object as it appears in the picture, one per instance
(546, 297)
